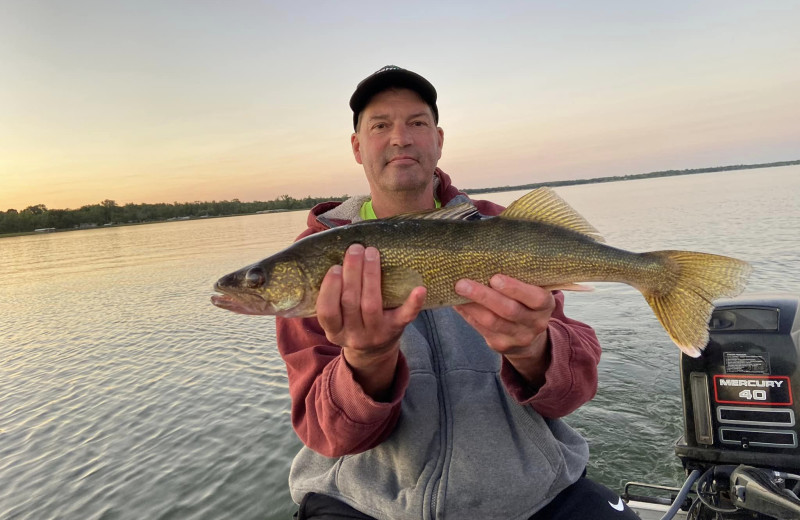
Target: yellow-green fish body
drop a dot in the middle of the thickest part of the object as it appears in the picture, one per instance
(538, 239)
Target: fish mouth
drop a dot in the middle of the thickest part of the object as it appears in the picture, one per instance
(240, 303)
(224, 292)
(225, 301)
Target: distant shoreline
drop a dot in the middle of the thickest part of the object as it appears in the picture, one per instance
(309, 202)
(650, 175)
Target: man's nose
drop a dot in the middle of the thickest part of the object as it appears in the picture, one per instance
(401, 135)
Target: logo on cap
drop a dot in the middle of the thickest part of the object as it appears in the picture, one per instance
(387, 68)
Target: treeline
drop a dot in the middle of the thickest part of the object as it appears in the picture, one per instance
(109, 212)
(664, 173)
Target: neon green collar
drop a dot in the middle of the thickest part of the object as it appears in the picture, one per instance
(367, 213)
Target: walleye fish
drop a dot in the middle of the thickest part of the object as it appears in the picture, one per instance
(539, 239)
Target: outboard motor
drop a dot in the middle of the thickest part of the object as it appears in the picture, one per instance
(740, 398)
(740, 404)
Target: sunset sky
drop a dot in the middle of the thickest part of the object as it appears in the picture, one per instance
(162, 101)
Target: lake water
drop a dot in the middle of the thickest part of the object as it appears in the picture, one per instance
(125, 394)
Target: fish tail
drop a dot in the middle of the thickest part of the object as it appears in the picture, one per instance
(683, 299)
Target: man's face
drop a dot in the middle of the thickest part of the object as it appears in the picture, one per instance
(397, 142)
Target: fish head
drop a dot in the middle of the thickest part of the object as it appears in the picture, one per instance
(275, 286)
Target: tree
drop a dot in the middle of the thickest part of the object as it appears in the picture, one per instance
(35, 210)
(109, 209)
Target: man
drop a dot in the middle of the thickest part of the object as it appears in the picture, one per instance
(444, 413)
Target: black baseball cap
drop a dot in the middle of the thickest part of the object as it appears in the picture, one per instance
(388, 77)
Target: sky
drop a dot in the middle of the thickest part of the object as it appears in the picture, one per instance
(164, 101)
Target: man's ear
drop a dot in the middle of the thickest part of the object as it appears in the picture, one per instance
(356, 144)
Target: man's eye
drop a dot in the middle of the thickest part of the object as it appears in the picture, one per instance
(379, 126)
(419, 123)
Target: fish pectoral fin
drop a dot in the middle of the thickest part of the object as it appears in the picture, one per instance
(397, 283)
(544, 205)
(570, 287)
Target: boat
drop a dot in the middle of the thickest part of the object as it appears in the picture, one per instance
(739, 448)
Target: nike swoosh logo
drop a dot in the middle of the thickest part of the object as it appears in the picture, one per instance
(619, 506)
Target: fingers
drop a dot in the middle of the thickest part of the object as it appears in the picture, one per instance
(329, 310)
(352, 269)
(507, 297)
(406, 313)
(499, 332)
(489, 303)
(508, 314)
(350, 303)
(531, 296)
(371, 296)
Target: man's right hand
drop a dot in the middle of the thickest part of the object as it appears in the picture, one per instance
(350, 310)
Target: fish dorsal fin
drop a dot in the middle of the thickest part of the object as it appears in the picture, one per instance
(545, 206)
(463, 211)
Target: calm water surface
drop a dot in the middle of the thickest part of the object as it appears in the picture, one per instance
(126, 394)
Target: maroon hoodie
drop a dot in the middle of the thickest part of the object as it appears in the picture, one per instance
(334, 417)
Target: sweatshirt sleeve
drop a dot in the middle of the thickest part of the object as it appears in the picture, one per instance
(330, 412)
(571, 378)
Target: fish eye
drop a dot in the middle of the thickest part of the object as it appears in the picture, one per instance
(254, 277)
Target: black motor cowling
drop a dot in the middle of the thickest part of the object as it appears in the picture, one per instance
(740, 397)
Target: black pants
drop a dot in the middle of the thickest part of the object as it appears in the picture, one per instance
(583, 500)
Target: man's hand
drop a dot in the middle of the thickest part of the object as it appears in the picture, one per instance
(513, 317)
(350, 310)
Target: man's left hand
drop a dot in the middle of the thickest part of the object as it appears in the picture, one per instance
(513, 317)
